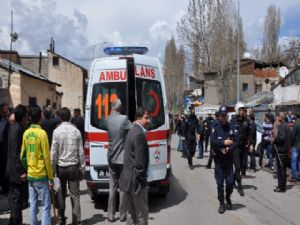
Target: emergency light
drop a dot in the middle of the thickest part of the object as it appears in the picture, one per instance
(125, 50)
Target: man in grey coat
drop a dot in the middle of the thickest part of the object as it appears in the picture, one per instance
(117, 127)
(133, 179)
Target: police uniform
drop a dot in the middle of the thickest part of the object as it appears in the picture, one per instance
(207, 130)
(223, 158)
(191, 126)
(242, 129)
(211, 152)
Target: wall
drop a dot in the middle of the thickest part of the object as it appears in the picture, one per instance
(287, 94)
(71, 78)
(12, 96)
(32, 63)
(248, 79)
(211, 89)
(43, 91)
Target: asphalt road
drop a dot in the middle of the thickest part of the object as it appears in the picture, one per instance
(193, 200)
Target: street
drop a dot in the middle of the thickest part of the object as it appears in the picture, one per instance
(193, 200)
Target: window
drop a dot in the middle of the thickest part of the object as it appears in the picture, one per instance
(55, 61)
(103, 95)
(32, 101)
(258, 88)
(245, 87)
(149, 95)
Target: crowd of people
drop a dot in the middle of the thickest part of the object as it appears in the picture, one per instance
(232, 143)
(36, 146)
(40, 147)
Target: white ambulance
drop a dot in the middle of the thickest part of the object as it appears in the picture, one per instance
(136, 80)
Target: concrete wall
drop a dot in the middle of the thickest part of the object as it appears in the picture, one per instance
(211, 93)
(22, 87)
(290, 93)
(247, 79)
(32, 63)
(71, 78)
(42, 92)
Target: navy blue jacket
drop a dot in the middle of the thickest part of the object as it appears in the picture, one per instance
(219, 135)
(242, 129)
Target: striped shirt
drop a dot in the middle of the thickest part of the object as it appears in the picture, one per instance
(66, 148)
(267, 133)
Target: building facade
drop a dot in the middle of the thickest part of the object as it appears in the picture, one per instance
(21, 86)
(58, 69)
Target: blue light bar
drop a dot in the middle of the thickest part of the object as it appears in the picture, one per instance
(125, 50)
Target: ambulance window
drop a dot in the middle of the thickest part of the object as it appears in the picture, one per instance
(149, 95)
(103, 95)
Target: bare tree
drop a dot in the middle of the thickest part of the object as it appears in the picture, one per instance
(209, 30)
(272, 25)
(174, 67)
(291, 55)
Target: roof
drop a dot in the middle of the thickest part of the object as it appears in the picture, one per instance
(19, 69)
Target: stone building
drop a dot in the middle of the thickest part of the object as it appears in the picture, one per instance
(256, 76)
(21, 86)
(61, 70)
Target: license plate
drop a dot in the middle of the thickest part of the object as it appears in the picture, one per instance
(103, 173)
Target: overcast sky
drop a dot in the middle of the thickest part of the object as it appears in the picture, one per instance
(77, 25)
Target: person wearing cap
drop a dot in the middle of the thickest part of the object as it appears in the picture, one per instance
(211, 152)
(242, 129)
(118, 126)
(207, 123)
(190, 128)
(224, 142)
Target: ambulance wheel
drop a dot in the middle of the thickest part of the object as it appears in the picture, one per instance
(163, 191)
(94, 196)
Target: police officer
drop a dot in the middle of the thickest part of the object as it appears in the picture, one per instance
(211, 152)
(207, 129)
(190, 128)
(242, 129)
(223, 141)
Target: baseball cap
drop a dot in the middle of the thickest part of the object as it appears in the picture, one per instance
(223, 110)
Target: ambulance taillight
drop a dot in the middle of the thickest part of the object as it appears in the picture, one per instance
(87, 149)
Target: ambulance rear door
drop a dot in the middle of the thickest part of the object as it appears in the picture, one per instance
(150, 93)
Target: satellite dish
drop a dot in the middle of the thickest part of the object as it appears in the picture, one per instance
(247, 55)
(283, 71)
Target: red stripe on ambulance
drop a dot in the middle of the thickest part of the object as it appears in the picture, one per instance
(151, 136)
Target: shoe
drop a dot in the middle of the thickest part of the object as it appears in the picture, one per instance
(208, 167)
(221, 209)
(279, 190)
(111, 219)
(241, 191)
(228, 204)
(292, 180)
(123, 219)
(191, 167)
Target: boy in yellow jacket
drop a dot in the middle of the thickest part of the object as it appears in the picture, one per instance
(35, 157)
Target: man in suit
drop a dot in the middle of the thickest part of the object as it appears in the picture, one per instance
(117, 127)
(134, 175)
(15, 173)
(282, 143)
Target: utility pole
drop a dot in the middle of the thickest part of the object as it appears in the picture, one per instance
(13, 38)
(238, 56)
